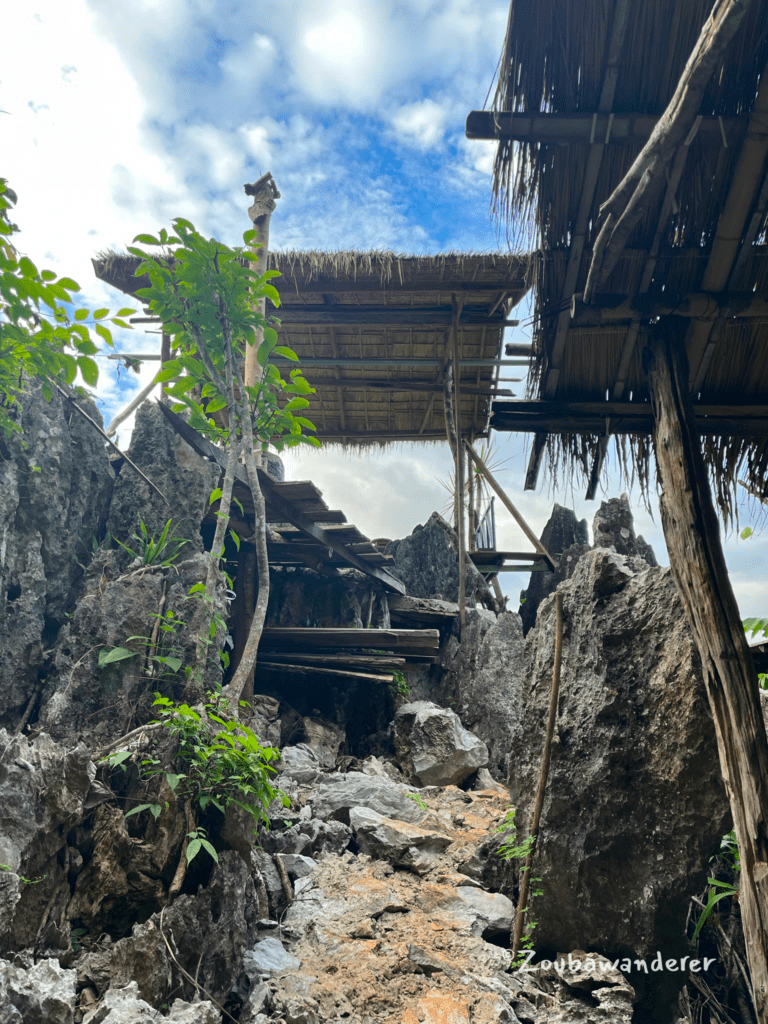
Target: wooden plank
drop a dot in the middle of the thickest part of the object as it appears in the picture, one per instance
(318, 670)
(692, 533)
(534, 463)
(401, 639)
(580, 128)
(361, 660)
(327, 539)
(338, 314)
(485, 555)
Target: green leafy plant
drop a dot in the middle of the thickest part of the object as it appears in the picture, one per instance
(162, 551)
(417, 800)
(511, 849)
(22, 878)
(198, 840)
(719, 890)
(218, 762)
(206, 295)
(161, 649)
(399, 685)
(43, 335)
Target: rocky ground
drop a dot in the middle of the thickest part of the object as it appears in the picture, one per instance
(377, 896)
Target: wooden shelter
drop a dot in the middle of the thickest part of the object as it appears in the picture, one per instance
(372, 331)
(633, 151)
(582, 89)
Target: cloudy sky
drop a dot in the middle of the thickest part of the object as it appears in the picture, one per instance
(118, 117)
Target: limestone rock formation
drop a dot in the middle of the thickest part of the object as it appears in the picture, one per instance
(433, 747)
(427, 562)
(55, 486)
(484, 678)
(613, 526)
(566, 539)
(635, 803)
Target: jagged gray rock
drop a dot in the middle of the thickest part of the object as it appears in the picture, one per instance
(55, 486)
(212, 953)
(181, 475)
(614, 526)
(635, 802)
(37, 993)
(44, 787)
(268, 956)
(484, 676)
(566, 538)
(433, 747)
(98, 704)
(427, 562)
(402, 844)
(336, 794)
(125, 1006)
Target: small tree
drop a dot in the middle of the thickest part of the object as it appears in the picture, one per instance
(38, 336)
(205, 295)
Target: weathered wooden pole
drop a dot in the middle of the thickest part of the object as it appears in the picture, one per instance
(692, 534)
(265, 195)
(250, 568)
(459, 459)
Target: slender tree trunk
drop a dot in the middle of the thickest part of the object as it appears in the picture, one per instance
(691, 530)
(245, 670)
(194, 688)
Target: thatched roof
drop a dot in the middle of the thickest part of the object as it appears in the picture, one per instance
(582, 83)
(371, 331)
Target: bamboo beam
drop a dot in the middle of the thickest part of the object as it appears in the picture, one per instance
(703, 305)
(649, 269)
(516, 287)
(698, 565)
(509, 506)
(353, 362)
(625, 418)
(459, 462)
(747, 178)
(596, 150)
(534, 461)
(645, 178)
(403, 316)
(556, 129)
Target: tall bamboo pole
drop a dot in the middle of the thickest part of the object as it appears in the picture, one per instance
(459, 459)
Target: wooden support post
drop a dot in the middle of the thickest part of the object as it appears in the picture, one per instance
(510, 507)
(534, 463)
(265, 195)
(473, 523)
(691, 530)
(459, 461)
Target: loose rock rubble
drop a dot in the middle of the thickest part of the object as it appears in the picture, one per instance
(377, 896)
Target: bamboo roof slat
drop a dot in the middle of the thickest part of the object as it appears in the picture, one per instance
(370, 331)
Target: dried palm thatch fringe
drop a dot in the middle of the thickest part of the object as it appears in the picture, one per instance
(554, 60)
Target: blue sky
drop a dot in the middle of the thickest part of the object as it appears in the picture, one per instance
(118, 117)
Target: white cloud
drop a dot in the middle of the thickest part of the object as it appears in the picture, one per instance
(421, 124)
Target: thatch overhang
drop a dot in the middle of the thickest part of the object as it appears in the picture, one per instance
(372, 332)
(580, 89)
